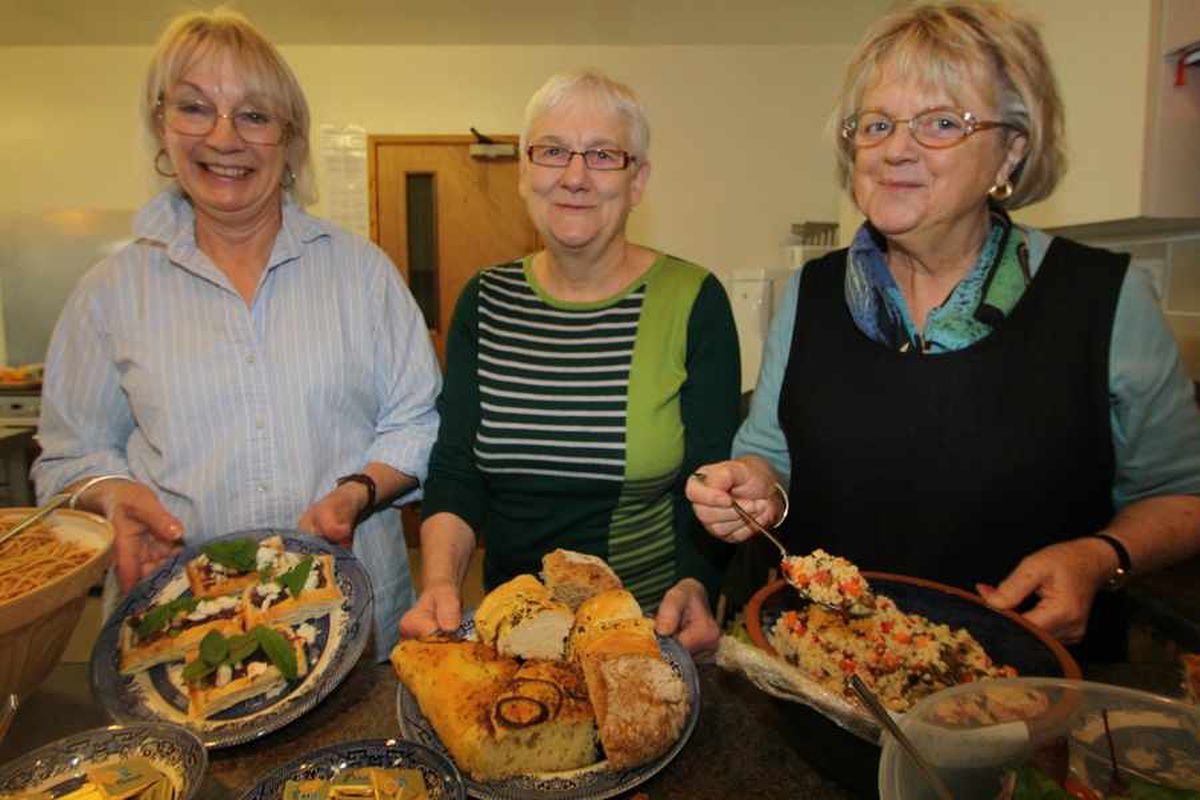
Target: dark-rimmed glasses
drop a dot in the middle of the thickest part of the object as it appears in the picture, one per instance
(936, 128)
(598, 158)
(193, 117)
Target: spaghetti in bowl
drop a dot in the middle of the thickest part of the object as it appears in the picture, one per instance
(45, 574)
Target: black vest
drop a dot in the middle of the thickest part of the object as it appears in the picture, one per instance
(955, 466)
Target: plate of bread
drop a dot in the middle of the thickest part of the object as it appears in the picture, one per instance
(552, 689)
(235, 637)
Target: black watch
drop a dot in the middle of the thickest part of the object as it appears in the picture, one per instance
(1124, 562)
(372, 492)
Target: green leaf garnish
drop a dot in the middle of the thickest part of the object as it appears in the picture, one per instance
(198, 669)
(214, 648)
(294, 579)
(160, 616)
(238, 554)
(242, 647)
(278, 650)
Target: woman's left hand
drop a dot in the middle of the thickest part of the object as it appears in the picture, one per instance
(334, 515)
(1065, 577)
(683, 613)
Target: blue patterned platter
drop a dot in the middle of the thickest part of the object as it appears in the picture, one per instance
(155, 694)
(175, 752)
(590, 783)
(442, 780)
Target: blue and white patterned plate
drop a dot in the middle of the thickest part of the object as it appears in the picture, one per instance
(442, 780)
(175, 752)
(155, 693)
(589, 783)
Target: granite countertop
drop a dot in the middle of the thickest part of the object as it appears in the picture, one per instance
(741, 747)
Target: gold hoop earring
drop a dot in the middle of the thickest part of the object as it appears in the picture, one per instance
(159, 169)
(1001, 191)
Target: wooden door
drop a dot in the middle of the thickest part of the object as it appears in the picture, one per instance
(442, 215)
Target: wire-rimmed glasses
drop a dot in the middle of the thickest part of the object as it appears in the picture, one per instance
(936, 127)
(597, 158)
(194, 117)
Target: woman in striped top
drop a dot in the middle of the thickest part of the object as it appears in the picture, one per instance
(583, 384)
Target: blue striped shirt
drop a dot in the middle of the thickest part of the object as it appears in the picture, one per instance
(241, 417)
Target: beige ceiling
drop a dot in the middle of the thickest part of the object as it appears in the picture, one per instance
(629, 22)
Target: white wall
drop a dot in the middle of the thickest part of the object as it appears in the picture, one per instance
(738, 148)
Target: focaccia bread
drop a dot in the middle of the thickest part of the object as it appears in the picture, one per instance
(520, 618)
(574, 577)
(231, 684)
(178, 626)
(207, 578)
(499, 718)
(272, 603)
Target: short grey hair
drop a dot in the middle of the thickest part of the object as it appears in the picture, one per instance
(563, 87)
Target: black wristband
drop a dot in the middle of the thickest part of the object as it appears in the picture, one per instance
(367, 481)
(1124, 562)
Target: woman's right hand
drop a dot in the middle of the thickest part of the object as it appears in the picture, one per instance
(438, 609)
(750, 481)
(145, 534)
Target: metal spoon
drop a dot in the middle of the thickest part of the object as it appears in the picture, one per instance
(7, 711)
(39, 512)
(859, 609)
(872, 704)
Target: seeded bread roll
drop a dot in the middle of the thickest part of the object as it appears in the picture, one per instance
(574, 577)
(520, 618)
(605, 611)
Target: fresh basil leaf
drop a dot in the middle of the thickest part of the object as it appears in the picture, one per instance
(1033, 784)
(198, 669)
(160, 616)
(294, 579)
(238, 554)
(214, 648)
(278, 650)
(242, 647)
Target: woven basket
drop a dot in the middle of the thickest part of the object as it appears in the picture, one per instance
(35, 627)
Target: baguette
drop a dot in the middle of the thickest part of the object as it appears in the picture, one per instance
(270, 603)
(210, 579)
(229, 685)
(182, 631)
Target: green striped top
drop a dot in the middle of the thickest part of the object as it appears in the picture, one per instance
(575, 424)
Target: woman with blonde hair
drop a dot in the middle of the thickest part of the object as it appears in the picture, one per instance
(958, 396)
(241, 364)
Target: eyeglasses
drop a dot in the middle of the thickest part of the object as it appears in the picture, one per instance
(936, 128)
(600, 158)
(196, 118)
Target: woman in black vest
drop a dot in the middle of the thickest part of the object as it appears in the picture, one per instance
(957, 396)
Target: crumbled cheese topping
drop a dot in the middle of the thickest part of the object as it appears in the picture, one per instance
(256, 668)
(224, 674)
(208, 608)
(311, 581)
(306, 632)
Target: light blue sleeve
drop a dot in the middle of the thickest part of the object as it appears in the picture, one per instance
(407, 381)
(1155, 422)
(85, 421)
(760, 434)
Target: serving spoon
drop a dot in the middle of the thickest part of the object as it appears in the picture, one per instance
(863, 606)
(876, 709)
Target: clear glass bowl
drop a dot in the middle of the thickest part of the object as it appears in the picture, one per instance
(974, 734)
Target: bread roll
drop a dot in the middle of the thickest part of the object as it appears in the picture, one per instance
(520, 618)
(645, 707)
(573, 577)
(603, 612)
